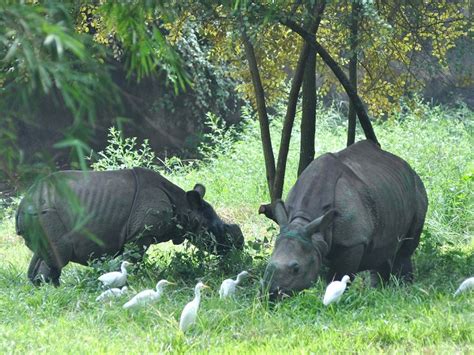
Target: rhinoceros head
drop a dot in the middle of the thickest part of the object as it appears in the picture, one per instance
(215, 236)
(296, 259)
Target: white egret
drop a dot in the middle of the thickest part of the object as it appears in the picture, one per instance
(116, 278)
(465, 285)
(335, 290)
(189, 314)
(228, 286)
(148, 296)
(111, 293)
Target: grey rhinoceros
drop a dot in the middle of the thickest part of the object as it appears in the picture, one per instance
(359, 209)
(77, 216)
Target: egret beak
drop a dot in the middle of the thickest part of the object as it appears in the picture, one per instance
(171, 283)
(205, 286)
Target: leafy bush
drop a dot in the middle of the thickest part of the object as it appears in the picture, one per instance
(219, 141)
(124, 153)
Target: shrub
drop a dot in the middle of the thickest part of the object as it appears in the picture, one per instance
(124, 153)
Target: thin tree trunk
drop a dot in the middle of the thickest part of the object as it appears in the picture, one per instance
(351, 121)
(308, 119)
(291, 107)
(288, 122)
(340, 75)
(262, 114)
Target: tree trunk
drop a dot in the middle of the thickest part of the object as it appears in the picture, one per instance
(308, 119)
(262, 114)
(300, 73)
(351, 122)
(339, 73)
(288, 123)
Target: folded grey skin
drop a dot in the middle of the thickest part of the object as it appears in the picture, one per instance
(358, 209)
(78, 216)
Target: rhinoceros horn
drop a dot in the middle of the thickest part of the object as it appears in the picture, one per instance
(320, 224)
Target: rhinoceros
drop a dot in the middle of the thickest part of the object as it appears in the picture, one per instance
(361, 208)
(77, 216)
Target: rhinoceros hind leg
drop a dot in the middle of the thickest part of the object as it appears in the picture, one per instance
(380, 276)
(403, 268)
(402, 265)
(40, 272)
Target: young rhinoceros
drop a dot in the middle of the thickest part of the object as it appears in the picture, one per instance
(76, 216)
(359, 209)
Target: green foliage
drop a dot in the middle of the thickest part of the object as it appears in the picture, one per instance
(45, 62)
(123, 153)
(136, 25)
(219, 140)
(43, 55)
(398, 41)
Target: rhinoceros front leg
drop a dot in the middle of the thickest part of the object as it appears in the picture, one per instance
(39, 272)
(345, 261)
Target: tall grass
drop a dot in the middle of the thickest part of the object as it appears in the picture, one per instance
(423, 317)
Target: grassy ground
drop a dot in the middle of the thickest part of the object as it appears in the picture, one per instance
(423, 317)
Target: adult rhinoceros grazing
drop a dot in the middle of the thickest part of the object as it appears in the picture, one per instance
(359, 209)
(76, 216)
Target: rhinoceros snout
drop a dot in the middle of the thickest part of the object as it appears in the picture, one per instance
(281, 279)
(237, 237)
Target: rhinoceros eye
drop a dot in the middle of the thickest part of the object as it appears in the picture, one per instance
(294, 267)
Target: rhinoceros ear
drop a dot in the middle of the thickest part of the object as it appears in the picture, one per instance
(266, 209)
(320, 224)
(200, 189)
(279, 212)
(320, 243)
(194, 199)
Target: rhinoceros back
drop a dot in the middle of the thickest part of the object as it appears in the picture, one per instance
(105, 199)
(80, 213)
(392, 185)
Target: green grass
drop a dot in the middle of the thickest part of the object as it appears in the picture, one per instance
(423, 317)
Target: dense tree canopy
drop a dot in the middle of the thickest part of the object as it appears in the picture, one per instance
(63, 51)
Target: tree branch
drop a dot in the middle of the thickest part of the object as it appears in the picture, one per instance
(341, 76)
(291, 108)
(351, 119)
(308, 117)
(288, 122)
(262, 113)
